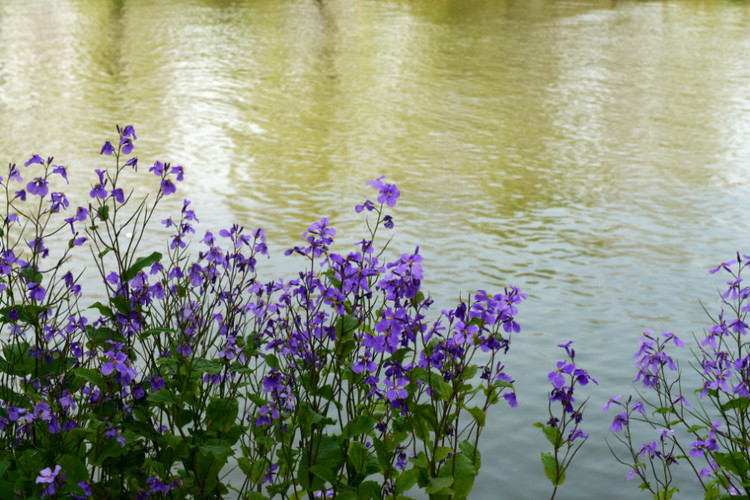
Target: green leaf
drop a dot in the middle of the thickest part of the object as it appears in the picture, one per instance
(441, 453)
(324, 472)
(664, 410)
(439, 485)
(733, 462)
(417, 299)
(271, 361)
(406, 480)
(360, 425)
(32, 275)
(665, 494)
(347, 495)
(212, 367)
(740, 403)
(553, 435)
(552, 469)
(155, 331)
(139, 264)
(369, 489)
(308, 417)
(4, 465)
(469, 451)
(161, 396)
(28, 314)
(219, 451)
(122, 304)
(478, 415)
(103, 310)
(99, 336)
(463, 471)
(358, 456)
(103, 212)
(221, 414)
(258, 471)
(89, 375)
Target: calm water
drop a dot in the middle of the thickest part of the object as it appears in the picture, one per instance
(594, 153)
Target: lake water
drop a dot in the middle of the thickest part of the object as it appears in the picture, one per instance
(594, 153)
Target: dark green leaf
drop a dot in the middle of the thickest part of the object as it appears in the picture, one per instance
(103, 212)
(139, 264)
(439, 485)
(103, 310)
(740, 403)
(360, 425)
(406, 480)
(161, 396)
(89, 375)
(324, 472)
(552, 469)
(478, 415)
(733, 462)
(32, 275)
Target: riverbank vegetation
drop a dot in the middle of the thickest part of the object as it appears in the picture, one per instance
(177, 373)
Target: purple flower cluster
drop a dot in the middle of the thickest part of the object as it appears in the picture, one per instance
(185, 359)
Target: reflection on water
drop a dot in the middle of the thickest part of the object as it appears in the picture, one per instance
(594, 153)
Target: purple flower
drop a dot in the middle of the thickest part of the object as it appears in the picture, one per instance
(34, 159)
(367, 205)
(179, 173)
(365, 364)
(557, 377)
(36, 292)
(568, 350)
(663, 433)
(157, 486)
(48, 475)
(168, 187)
(129, 131)
(114, 433)
(673, 338)
(38, 187)
(396, 389)
(14, 174)
(268, 478)
(51, 478)
(649, 448)
(120, 362)
(86, 491)
(118, 195)
(61, 170)
(157, 169)
(127, 145)
(389, 193)
(620, 420)
(59, 200)
(273, 381)
(107, 149)
(635, 471)
(577, 433)
(185, 350)
(510, 397)
(98, 191)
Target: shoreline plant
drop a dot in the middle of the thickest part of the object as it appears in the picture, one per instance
(709, 431)
(334, 384)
